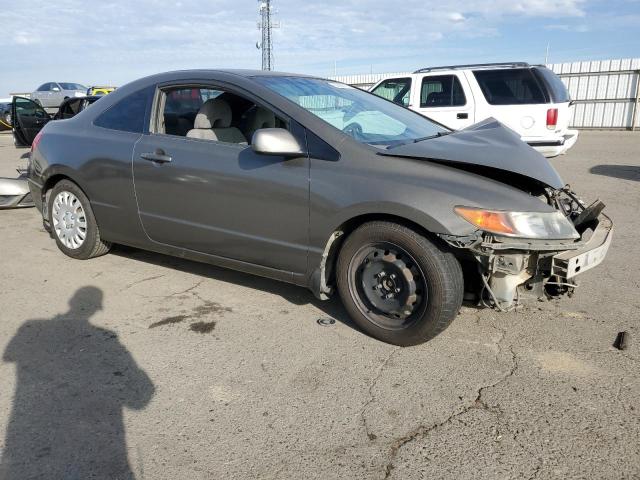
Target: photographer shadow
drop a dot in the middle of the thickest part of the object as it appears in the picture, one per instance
(73, 382)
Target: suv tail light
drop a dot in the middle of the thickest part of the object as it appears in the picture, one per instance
(36, 141)
(552, 118)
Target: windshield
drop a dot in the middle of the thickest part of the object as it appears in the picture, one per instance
(72, 86)
(365, 117)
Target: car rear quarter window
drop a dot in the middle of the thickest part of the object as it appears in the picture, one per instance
(513, 86)
(555, 86)
(128, 114)
(441, 91)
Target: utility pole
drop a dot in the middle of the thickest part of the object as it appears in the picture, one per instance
(546, 56)
(265, 25)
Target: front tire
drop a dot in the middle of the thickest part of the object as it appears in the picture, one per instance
(397, 285)
(73, 224)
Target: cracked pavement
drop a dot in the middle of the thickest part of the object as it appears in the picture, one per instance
(258, 389)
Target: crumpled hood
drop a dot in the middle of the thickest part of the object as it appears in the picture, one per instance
(487, 143)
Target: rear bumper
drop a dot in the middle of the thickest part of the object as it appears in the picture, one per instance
(36, 194)
(554, 146)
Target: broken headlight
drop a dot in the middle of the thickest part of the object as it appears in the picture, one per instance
(540, 225)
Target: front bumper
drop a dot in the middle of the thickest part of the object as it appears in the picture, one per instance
(14, 193)
(567, 265)
(512, 268)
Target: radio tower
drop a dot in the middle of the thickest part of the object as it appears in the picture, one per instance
(265, 25)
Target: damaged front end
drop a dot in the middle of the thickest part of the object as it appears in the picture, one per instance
(508, 267)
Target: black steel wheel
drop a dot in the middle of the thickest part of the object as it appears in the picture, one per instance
(397, 285)
(390, 284)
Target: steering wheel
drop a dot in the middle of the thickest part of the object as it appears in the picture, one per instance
(354, 130)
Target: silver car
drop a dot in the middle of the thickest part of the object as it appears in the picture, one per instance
(52, 94)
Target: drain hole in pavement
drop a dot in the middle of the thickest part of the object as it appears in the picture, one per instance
(326, 322)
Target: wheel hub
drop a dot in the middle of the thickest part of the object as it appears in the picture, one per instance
(388, 280)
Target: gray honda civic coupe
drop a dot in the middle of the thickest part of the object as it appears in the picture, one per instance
(319, 184)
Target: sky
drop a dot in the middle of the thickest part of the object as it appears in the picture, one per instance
(114, 42)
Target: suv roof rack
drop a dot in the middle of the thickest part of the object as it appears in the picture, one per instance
(475, 65)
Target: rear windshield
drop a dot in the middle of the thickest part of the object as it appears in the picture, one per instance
(557, 89)
(514, 86)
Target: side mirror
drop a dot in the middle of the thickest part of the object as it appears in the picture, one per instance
(276, 141)
(55, 89)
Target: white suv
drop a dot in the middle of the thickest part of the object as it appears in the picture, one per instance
(532, 100)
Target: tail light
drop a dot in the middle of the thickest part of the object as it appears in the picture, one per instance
(36, 141)
(552, 118)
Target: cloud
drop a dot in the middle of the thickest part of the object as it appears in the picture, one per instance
(121, 40)
(24, 38)
(568, 28)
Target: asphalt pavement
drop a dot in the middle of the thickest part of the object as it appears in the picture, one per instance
(140, 365)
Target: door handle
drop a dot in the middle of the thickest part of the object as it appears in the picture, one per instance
(462, 115)
(157, 157)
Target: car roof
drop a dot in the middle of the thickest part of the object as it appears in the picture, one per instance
(479, 66)
(238, 71)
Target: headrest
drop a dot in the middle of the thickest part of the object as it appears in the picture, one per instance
(260, 118)
(214, 113)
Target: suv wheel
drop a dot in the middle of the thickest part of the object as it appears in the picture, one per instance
(398, 286)
(73, 224)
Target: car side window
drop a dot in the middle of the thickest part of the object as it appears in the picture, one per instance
(209, 113)
(442, 91)
(127, 115)
(395, 89)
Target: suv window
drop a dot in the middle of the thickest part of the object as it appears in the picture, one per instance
(442, 91)
(128, 114)
(395, 89)
(514, 86)
(555, 86)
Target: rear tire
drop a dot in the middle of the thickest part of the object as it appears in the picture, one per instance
(73, 224)
(397, 285)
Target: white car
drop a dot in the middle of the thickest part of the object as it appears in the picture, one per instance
(52, 94)
(531, 100)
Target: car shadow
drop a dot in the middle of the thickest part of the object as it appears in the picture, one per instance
(625, 172)
(73, 381)
(292, 293)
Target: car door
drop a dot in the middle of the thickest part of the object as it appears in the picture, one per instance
(442, 98)
(28, 119)
(223, 199)
(56, 95)
(41, 95)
